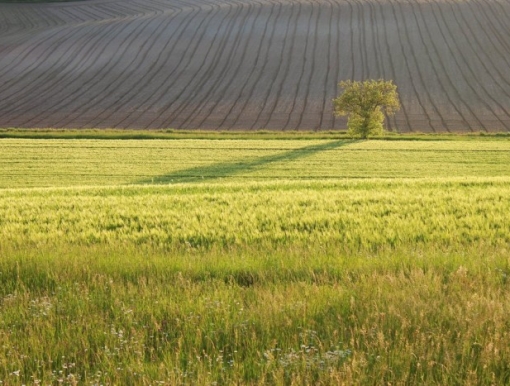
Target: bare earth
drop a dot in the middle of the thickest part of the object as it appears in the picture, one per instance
(252, 64)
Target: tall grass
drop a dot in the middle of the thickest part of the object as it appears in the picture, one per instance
(252, 316)
(206, 271)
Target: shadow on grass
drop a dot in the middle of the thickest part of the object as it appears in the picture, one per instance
(228, 169)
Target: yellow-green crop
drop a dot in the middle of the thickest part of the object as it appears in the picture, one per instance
(352, 214)
(254, 262)
(64, 163)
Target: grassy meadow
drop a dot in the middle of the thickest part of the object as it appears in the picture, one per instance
(254, 261)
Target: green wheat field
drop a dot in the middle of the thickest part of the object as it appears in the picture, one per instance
(251, 261)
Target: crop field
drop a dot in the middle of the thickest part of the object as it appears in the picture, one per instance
(251, 64)
(254, 262)
(66, 163)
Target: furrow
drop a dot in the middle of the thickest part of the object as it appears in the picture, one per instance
(224, 100)
(468, 78)
(422, 86)
(312, 72)
(76, 93)
(444, 73)
(167, 114)
(262, 103)
(51, 79)
(145, 84)
(393, 68)
(217, 90)
(164, 87)
(302, 71)
(254, 76)
(17, 85)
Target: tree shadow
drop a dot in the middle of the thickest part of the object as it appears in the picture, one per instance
(228, 169)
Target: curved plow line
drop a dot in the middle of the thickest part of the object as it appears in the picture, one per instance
(215, 81)
(380, 59)
(328, 80)
(491, 21)
(22, 56)
(164, 89)
(482, 49)
(258, 81)
(146, 81)
(217, 90)
(408, 67)
(338, 56)
(19, 87)
(312, 69)
(167, 107)
(422, 85)
(25, 92)
(452, 87)
(302, 70)
(436, 73)
(96, 80)
(104, 95)
(392, 66)
(365, 73)
(472, 74)
(284, 59)
(35, 44)
(110, 83)
(258, 74)
(240, 89)
(205, 78)
(124, 76)
(489, 36)
(78, 80)
(231, 85)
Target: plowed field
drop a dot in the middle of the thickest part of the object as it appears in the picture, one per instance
(252, 64)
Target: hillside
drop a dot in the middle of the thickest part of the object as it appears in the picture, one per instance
(251, 64)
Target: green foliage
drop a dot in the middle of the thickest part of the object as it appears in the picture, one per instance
(365, 102)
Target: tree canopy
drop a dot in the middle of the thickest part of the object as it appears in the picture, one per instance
(365, 103)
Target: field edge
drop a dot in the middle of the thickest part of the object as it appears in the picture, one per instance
(129, 134)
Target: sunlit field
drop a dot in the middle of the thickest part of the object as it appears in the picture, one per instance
(244, 261)
(69, 163)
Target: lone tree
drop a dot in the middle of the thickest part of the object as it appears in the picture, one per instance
(365, 102)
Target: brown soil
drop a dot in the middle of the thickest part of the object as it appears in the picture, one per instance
(252, 64)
